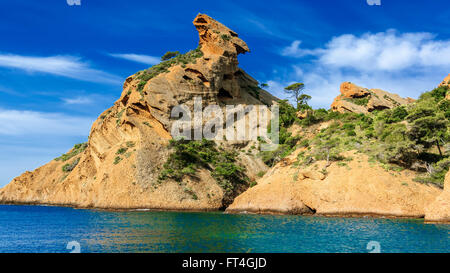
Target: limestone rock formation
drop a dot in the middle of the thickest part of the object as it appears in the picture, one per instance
(356, 99)
(446, 81)
(356, 189)
(128, 143)
(439, 210)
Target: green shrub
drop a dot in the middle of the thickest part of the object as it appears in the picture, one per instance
(163, 67)
(119, 116)
(70, 166)
(437, 176)
(444, 107)
(117, 159)
(191, 193)
(140, 87)
(148, 124)
(261, 174)
(437, 94)
(188, 156)
(287, 114)
(225, 37)
(270, 158)
(121, 151)
(77, 149)
(359, 101)
(169, 55)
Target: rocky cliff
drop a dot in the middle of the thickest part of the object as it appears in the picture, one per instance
(356, 188)
(356, 99)
(120, 165)
(328, 164)
(347, 164)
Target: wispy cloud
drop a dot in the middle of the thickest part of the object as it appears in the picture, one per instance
(384, 51)
(65, 66)
(78, 100)
(32, 123)
(294, 50)
(145, 59)
(403, 63)
(9, 91)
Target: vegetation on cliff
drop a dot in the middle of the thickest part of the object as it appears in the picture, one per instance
(413, 136)
(189, 156)
(169, 59)
(77, 149)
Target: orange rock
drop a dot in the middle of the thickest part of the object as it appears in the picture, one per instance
(139, 121)
(439, 210)
(302, 114)
(350, 90)
(356, 99)
(357, 189)
(446, 81)
(217, 39)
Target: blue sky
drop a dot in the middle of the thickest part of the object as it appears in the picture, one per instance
(62, 65)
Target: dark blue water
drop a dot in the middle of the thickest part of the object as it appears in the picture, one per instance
(49, 229)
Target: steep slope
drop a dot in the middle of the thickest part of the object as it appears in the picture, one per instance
(355, 188)
(360, 162)
(356, 99)
(128, 144)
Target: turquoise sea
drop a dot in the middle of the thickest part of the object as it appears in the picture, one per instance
(50, 229)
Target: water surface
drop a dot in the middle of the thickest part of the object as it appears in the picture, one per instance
(49, 229)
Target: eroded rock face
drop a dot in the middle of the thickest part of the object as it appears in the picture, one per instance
(215, 76)
(217, 39)
(353, 190)
(356, 99)
(439, 210)
(127, 144)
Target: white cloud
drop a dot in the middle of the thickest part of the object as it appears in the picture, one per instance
(384, 51)
(145, 59)
(294, 50)
(407, 64)
(66, 66)
(78, 100)
(32, 124)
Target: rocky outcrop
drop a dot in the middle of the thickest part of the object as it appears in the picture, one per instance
(356, 99)
(356, 188)
(128, 143)
(446, 81)
(439, 210)
(303, 114)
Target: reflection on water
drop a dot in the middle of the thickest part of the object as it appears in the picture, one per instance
(49, 229)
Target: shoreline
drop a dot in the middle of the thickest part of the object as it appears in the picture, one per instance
(146, 209)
